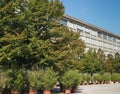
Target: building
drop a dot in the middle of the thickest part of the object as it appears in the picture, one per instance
(94, 37)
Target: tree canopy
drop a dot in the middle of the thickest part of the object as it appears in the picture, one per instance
(31, 36)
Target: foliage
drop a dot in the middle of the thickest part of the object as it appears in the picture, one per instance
(106, 77)
(91, 63)
(101, 77)
(35, 79)
(97, 77)
(49, 78)
(116, 62)
(77, 78)
(31, 36)
(18, 79)
(115, 77)
(108, 65)
(87, 77)
(3, 80)
(71, 78)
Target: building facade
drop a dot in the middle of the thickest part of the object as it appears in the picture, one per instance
(93, 36)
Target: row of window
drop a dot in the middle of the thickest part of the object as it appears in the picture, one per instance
(89, 31)
(100, 43)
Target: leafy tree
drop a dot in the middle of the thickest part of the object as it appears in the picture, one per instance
(31, 36)
(102, 58)
(116, 61)
(101, 55)
(108, 65)
(91, 62)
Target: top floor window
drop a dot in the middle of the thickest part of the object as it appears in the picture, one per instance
(110, 38)
(99, 35)
(63, 22)
(114, 40)
(118, 41)
(79, 30)
(87, 32)
(105, 36)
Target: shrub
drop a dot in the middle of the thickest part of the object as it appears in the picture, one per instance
(70, 78)
(49, 78)
(115, 77)
(17, 80)
(3, 80)
(35, 79)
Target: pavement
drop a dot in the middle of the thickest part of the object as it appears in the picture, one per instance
(99, 89)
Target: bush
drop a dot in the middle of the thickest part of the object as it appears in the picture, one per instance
(35, 79)
(115, 77)
(17, 80)
(87, 77)
(101, 77)
(98, 77)
(106, 77)
(3, 80)
(49, 79)
(70, 78)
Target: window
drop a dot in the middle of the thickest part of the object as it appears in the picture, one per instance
(114, 40)
(105, 36)
(79, 30)
(110, 38)
(99, 35)
(63, 22)
(87, 32)
(94, 33)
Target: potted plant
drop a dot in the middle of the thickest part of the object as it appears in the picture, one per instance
(3, 80)
(115, 77)
(49, 80)
(98, 78)
(17, 81)
(87, 78)
(77, 78)
(106, 78)
(70, 79)
(35, 83)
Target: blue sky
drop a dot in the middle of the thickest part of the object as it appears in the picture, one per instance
(102, 13)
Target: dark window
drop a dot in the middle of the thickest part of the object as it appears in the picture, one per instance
(63, 22)
(114, 40)
(79, 30)
(87, 32)
(105, 36)
(110, 38)
(99, 35)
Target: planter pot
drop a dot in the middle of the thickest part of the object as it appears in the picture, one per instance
(67, 91)
(74, 89)
(15, 92)
(32, 91)
(47, 91)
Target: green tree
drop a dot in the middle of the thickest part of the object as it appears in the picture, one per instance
(116, 61)
(102, 58)
(91, 62)
(101, 55)
(108, 65)
(31, 36)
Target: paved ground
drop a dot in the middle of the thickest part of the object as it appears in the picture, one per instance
(99, 89)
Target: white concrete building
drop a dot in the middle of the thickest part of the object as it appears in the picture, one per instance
(94, 37)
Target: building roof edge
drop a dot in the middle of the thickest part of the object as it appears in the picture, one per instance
(90, 25)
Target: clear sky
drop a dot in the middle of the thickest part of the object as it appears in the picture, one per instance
(102, 13)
